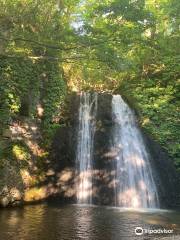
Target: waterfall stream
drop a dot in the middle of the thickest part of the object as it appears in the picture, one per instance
(134, 183)
(84, 155)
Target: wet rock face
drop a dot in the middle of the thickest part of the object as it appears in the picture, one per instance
(103, 173)
(61, 177)
(102, 138)
(166, 178)
(64, 149)
(63, 154)
(103, 166)
(65, 141)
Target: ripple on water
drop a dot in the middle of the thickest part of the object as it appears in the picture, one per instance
(56, 222)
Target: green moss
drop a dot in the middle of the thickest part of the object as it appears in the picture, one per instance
(25, 83)
(20, 153)
(158, 109)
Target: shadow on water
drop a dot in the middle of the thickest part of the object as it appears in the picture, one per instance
(66, 222)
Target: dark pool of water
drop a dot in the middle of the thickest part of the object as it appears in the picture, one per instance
(57, 222)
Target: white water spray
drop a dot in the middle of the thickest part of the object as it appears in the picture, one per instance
(84, 156)
(134, 183)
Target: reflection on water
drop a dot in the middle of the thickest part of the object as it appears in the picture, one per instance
(57, 222)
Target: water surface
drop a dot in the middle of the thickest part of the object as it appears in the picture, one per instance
(57, 222)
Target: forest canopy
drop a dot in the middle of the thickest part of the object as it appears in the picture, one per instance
(131, 47)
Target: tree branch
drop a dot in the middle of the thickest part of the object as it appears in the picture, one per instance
(38, 43)
(67, 60)
(58, 47)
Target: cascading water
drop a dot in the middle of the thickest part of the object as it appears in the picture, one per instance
(84, 156)
(134, 183)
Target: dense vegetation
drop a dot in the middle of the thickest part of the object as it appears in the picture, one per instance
(49, 48)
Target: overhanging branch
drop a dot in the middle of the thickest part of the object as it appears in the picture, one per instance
(56, 47)
(51, 58)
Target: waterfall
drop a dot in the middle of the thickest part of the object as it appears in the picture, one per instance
(84, 155)
(134, 183)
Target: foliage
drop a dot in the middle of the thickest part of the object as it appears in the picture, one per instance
(32, 36)
(127, 47)
(53, 99)
(28, 32)
(133, 50)
(158, 109)
(20, 153)
(17, 80)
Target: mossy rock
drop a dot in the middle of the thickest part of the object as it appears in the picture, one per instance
(11, 185)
